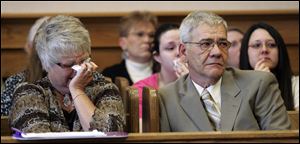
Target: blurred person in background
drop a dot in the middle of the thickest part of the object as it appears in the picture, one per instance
(136, 40)
(33, 72)
(166, 53)
(235, 36)
(263, 49)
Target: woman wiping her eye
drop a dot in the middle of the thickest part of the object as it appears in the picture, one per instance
(66, 100)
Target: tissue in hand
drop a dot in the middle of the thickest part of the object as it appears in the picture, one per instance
(176, 63)
(76, 67)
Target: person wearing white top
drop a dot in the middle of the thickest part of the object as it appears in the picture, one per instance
(136, 40)
(295, 88)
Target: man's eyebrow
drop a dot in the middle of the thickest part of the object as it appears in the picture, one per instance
(223, 39)
(207, 39)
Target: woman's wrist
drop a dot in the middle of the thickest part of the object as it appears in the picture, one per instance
(76, 92)
(76, 96)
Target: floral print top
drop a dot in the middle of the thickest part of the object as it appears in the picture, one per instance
(35, 107)
(9, 86)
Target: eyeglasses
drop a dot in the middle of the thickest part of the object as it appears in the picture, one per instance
(205, 45)
(259, 44)
(69, 66)
(63, 66)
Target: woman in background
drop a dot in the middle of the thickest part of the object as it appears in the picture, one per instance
(166, 53)
(33, 72)
(263, 49)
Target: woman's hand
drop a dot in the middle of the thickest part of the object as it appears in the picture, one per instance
(83, 76)
(180, 67)
(262, 66)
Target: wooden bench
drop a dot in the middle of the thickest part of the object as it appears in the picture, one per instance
(130, 100)
(294, 118)
(150, 110)
(122, 83)
(5, 128)
(132, 113)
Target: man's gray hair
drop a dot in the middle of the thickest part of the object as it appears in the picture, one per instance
(195, 19)
(61, 36)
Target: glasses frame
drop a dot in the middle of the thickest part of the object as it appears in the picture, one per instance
(266, 44)
(212, 45)
(70, 67)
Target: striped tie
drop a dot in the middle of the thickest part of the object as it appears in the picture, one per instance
(212, 110)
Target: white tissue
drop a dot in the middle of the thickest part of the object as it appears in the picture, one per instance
(76, 67)
(176, 63)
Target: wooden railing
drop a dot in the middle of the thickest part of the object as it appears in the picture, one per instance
(284, 136)
(103, 30)
(220, 136)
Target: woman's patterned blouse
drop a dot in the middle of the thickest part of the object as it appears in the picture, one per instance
(35, 107)
(6, 95)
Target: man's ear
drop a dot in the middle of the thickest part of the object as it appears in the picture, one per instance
(182, 50)
(123, 43)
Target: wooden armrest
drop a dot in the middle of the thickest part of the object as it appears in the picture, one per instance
(133, 110)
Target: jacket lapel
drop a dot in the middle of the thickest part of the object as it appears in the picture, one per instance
(231, 101)
(190, 102)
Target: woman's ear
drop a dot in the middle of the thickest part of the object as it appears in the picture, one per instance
(123, 43)
(156, 57)
(28, 48)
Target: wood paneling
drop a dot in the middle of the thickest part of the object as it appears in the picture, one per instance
(293, 52)
(104, 35)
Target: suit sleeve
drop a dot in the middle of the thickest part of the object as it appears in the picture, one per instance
(269, 106)
(164, 121)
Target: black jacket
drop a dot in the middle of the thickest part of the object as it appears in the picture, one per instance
(120, 70)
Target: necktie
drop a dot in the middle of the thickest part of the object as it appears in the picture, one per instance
(212, 110)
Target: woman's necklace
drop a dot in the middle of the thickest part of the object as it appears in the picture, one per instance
(67, 101)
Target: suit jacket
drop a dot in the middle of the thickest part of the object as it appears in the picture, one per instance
(121, 70)
(250, 100)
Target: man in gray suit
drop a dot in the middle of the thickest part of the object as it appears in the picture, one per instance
(241, 100)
